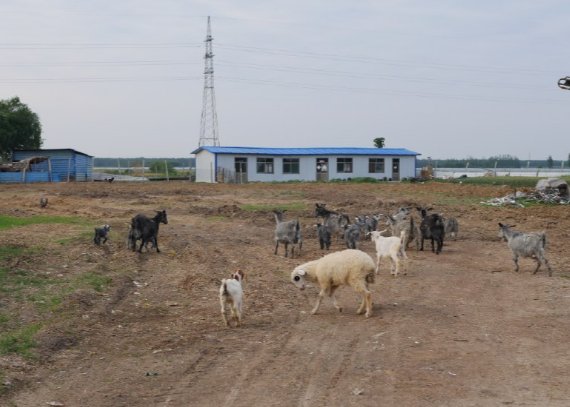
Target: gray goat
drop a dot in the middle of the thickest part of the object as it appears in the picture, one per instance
(367, 223)
(451, 227)
(101, 233)
(352, 235)
(525, 245)
(398, 224)
(288, 233)
(335, 223)
(324, 234)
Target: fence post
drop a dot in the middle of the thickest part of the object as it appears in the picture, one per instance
(166, 170)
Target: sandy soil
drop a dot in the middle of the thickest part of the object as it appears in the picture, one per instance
(459, 329)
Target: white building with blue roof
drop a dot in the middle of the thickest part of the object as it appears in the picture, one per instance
(259, 164)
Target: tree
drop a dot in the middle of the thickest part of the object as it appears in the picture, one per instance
(20, 128)
(379, 142)
(158, 167)
(549, 162)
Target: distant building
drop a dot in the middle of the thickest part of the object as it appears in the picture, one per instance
(247, 164)
(49, 165)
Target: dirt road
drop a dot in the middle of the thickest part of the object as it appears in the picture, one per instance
(458, 329)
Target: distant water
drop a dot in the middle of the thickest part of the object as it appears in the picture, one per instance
(500, 172)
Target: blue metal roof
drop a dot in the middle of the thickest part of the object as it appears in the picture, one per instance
(307, 151)
(48, 150)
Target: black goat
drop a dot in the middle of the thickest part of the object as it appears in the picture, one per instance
(321, 211)
(146, 230)
(432, 227)
(101, 233)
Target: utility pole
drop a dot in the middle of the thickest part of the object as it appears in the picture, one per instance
(209, 120)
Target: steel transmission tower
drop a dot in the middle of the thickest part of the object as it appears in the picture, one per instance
(209, 121)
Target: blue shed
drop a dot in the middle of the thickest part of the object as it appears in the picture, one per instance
(50, 165)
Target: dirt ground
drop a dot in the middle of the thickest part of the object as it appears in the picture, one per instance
(458, 329)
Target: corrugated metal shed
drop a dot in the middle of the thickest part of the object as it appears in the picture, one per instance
(352, 151)
(62, 165)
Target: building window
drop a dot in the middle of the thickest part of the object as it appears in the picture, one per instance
(290, 166)
(344, 165)
(241, 164)
(265, 165)
(376, 165)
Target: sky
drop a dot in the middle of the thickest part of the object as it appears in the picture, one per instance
(446, 79)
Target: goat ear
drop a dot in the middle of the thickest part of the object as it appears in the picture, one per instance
(301, 272)
(500, 224)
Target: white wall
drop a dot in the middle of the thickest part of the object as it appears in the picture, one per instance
(205, 163)
(205, 167)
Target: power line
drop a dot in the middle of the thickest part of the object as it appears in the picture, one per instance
(279, 52)
(86, 46)
(369, 59)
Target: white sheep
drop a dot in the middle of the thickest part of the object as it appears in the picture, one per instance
(392, 247)
(231, 293)
(347, 267)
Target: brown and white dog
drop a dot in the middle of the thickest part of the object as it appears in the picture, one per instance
(231, 293)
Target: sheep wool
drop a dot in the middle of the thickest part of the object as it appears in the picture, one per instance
(347, 267)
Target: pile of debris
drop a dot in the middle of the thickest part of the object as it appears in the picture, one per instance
(548, 191)
(22, 165)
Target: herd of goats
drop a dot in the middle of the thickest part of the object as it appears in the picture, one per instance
(351, 266)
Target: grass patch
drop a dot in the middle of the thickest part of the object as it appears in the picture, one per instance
(357, 180)
(20, 341)
(216, 218)
(17, 280)
(96, 281)
(515, 182)
(293, 206)
(45, 301)
(457, 200)
(12, 221)
(26, 286)
(7, 252)
(4, 319)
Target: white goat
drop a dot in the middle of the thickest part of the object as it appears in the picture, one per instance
(231, 293)
(347, 267)
(392, 247)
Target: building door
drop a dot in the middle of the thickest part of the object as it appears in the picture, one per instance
(322, 169)
(395, 169)
(241, 170)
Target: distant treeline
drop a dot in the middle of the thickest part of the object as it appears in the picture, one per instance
(502, 161)
(138, 162)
